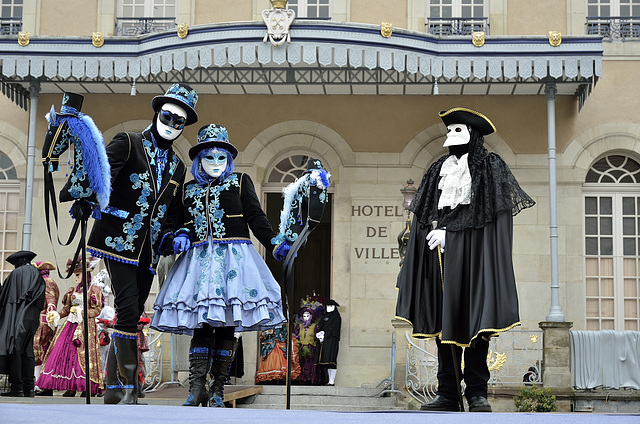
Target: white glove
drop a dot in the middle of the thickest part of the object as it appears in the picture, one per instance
(436, 238)
(53, 317)
(320, 336)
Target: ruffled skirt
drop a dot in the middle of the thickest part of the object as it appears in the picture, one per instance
(218, 284)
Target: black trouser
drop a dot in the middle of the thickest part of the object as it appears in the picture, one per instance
(207, 331)
(20, 368)
(131, 285)
(476, 372)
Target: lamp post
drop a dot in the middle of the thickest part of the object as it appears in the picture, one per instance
(408, 193)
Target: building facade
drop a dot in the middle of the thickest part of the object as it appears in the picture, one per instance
(359, 85)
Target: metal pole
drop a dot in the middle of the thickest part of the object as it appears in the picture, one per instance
(555, 312)
(34, 93)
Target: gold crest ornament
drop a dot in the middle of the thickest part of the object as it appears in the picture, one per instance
(386, 29)
(478, 38)
(97, 39)
(278, 19)
(23, 38)
(555, 38)
(183, 30)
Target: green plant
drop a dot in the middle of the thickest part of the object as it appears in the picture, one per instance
(534, 399)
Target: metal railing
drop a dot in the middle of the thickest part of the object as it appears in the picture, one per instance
(131, 27)
(614, 28)
(10, 26)
(152, 361)
(514, 358)
(443, 27)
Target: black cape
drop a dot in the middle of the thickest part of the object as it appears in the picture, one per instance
(21, 300)
(470, 289)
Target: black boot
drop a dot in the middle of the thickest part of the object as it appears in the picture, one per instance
(223, 353)
(112, 388)
(126, 346)
(198, 366)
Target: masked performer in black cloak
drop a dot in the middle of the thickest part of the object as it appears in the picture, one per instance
(147, 178)
(466, 202)
(21, 300)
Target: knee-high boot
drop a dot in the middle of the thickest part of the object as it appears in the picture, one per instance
(126, 347)
(112, 388)
(223, 353)
(198, 366)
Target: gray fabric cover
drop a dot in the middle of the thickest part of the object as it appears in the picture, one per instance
(605, 359)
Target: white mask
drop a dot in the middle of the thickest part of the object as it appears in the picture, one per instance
(331, 308)
(171, 123)
(306, 316)
(214, 162)
(457, 134)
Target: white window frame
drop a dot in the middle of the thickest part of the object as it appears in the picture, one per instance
(615, 8)
(456, 9)
(616, 192)
(13, 7)
(302, 8)
(150, 7)
(9, 187)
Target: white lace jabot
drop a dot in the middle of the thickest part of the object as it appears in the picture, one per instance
(455, 184)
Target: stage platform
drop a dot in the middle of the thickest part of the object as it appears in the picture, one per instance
(37, 413)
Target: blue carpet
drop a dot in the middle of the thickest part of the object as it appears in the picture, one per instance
(154, 414)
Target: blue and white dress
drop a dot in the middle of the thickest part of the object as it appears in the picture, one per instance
(221, 280)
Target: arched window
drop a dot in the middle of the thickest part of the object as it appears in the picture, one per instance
(612, 243)
(9, 209)
(288, 169)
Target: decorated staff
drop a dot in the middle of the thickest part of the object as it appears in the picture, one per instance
(466, 202)
(304, 202)
(89, 181)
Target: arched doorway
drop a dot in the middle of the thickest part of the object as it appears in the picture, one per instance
(313, 263)
(612, 243)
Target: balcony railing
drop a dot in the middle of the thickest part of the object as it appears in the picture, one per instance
(131, 27)
(614, 28)
(443, 27)
(10, 26)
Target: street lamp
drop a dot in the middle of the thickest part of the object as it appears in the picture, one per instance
(408, 193)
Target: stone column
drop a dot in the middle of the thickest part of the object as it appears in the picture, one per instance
(555, 354)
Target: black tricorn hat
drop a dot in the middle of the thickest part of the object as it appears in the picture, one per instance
(462, 115)
(71, 104)
(21, 257)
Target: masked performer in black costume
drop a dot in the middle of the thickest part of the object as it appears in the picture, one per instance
(466, 202)
(21, 300)
(147, 178)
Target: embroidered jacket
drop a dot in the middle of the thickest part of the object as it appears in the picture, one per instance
(225, 211)
(138, 212)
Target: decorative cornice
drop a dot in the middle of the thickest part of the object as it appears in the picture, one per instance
(315, 44)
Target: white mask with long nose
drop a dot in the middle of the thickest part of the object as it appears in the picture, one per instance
(457, 134)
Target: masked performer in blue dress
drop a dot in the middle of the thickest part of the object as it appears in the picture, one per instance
(220, 284)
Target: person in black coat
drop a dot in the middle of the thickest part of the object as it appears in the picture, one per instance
(21, 300)
(147, 180)
(329, 335)
(466, 202)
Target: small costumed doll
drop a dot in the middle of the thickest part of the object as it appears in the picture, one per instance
(329, 336)
(64, 363)
(220, 284)
(466, 202)
(46, 331)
